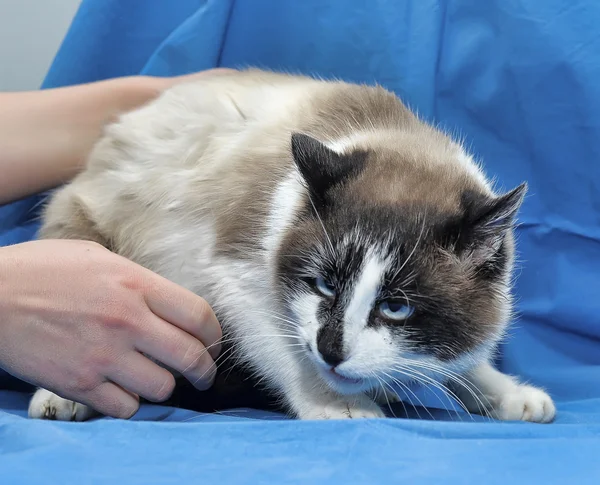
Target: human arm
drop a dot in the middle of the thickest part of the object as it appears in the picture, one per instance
(45, 135)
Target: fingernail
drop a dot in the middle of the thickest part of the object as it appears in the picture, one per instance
(206, 380)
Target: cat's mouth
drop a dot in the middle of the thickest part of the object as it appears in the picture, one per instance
(338, 381)
(335, 375)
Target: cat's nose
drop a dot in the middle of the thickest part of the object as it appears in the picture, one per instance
(330, 344)
(333, 359)
(332, 355)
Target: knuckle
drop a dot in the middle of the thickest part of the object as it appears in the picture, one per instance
(123, 275)
(218, 332)
(203, 314)
(102, 360)
(126, 409)
(92, 244)
(83, 382)
(131, 278)
(118, 320)
(164, 389)
(122, 316)
(122, 406)
(116, 404)
(192, 356)
(132, 281)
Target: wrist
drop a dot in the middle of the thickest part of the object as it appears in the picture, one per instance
(138, 90)
(132, 92)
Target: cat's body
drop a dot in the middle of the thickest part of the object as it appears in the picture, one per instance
(377, 253)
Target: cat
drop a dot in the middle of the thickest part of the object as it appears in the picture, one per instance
(346, 245)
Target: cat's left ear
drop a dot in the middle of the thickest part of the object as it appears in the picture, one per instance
(322, 168)
(487, 222)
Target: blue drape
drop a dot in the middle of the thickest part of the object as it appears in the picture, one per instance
(518, 80)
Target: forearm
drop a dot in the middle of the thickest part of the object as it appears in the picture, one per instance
(46, 135)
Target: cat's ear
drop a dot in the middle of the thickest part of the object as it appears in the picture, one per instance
(487, 222)
(320, 167)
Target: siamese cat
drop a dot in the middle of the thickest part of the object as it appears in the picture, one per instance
(346, 246)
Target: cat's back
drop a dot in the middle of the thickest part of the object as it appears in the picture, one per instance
(234, 122)
(214, 152)
(165, 175)
(221, 145)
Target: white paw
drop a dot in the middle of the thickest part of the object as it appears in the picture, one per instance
(524, 403)
(47, 405)
(354, 407)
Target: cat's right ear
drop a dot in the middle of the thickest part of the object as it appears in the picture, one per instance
(487, 221)
(322, 168)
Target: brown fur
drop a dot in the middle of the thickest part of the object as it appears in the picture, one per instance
(334, 111)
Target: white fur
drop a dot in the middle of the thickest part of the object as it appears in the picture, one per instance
(346, 143)
(468, 164)
(47, 405)
(366, 347)
(355, 407)
(372, 351)
(364, 294)
(504, 398)
(288, 195)
(305, 309)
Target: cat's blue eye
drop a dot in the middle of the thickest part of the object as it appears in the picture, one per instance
(395, 310)
(325, 287)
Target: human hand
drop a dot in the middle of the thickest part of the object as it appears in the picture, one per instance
(77, 319)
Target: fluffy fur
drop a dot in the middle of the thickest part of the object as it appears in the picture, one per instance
(346, 246)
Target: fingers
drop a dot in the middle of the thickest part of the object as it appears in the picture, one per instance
(179, 351)
(185, 310)
(112, 400)
(143, 377)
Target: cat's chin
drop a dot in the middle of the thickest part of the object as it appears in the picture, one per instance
(343, 384)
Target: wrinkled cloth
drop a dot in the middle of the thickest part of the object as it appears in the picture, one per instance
(518, 80)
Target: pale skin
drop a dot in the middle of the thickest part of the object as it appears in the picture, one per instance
(75, 318)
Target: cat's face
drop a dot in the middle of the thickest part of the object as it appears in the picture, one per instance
(383, 292)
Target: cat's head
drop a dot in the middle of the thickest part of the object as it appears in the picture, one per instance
(393, 269)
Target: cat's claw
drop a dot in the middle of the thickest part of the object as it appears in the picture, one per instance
(47, 405)
(357, 407)
(524, 403)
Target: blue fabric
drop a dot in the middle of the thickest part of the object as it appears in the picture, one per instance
(517, 79)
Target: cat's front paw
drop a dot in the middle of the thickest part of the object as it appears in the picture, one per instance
(354, 407)
(524, 403)
(47, 405)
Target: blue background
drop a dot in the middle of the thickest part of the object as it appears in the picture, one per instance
(519, 80)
